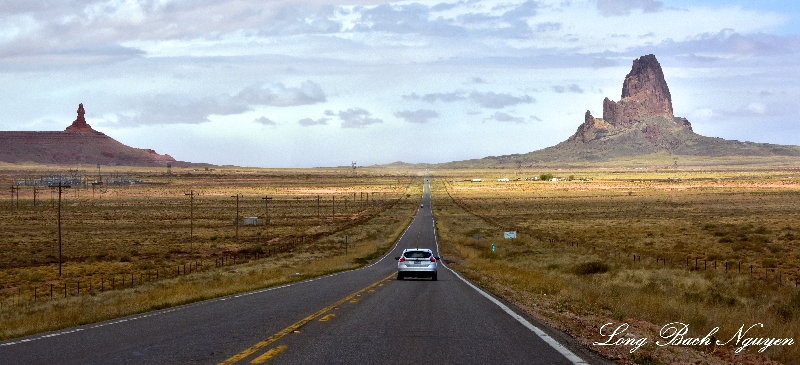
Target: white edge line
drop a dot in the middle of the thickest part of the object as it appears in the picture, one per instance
(544, 336)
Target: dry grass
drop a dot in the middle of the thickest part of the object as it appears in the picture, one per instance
(572, 263)
(144, 228)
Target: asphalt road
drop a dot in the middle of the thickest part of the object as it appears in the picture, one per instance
(363, 316)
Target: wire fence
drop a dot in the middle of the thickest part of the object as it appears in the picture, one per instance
(66, 288)
(60, 289)
(656, 259)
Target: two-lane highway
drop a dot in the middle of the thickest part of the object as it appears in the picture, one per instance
(364, 316)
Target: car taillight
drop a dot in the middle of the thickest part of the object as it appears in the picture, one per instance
(402, 258)
(433, 259)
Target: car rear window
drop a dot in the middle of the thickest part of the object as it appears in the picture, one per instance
(417, 254)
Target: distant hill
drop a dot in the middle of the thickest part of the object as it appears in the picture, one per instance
(641, 125)
(79, 143)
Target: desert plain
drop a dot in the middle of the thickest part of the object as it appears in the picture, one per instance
(707, 246)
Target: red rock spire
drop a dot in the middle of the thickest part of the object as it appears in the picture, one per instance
(80, 125)
(644, 94)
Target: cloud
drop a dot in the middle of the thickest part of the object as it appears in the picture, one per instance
(354, 117)
(461, 20)
(601, 62)
(572, 88)
(505, 117)
(417, 116)
(180, 109)
(175, 109)
(625, 7)
(535, 118)
(276, 94)
(548, 27)
(306, 122)
(443, 97)
(478, 80)
(756, 108)
(265, 121)
(489, 99)
(494, 100)
(405, 18)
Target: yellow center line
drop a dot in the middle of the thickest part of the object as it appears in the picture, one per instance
(252, 349)
(327, 317)
(267, 356)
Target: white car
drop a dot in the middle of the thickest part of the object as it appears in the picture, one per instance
(417, 262)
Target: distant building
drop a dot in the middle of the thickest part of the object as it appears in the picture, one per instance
(505, 179)
(476, 180)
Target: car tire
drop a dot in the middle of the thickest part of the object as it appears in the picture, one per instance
(433, 277)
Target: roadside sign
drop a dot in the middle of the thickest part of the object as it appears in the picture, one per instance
(510, 234)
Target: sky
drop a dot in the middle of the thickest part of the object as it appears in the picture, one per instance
(312, 83)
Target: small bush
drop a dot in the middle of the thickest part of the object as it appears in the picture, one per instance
(644, 359)
(125, 258)
(691, 297)
(145, 265)
(588, 268)
(784, 311)
(719, 299)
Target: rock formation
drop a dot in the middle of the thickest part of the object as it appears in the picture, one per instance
(645, 94)
(79, 124)
(79, 143)
(644, 113)
(640, 123)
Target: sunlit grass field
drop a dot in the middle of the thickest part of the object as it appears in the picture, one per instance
(136, 247)
(638, 246)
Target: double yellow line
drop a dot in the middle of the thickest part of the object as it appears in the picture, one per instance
(253, 349)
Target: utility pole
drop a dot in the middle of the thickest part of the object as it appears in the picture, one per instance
(191, 220)
(236, 222)
(266, 200)
(60, 187)
(12, 198)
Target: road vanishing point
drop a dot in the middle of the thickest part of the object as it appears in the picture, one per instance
(363, 316)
